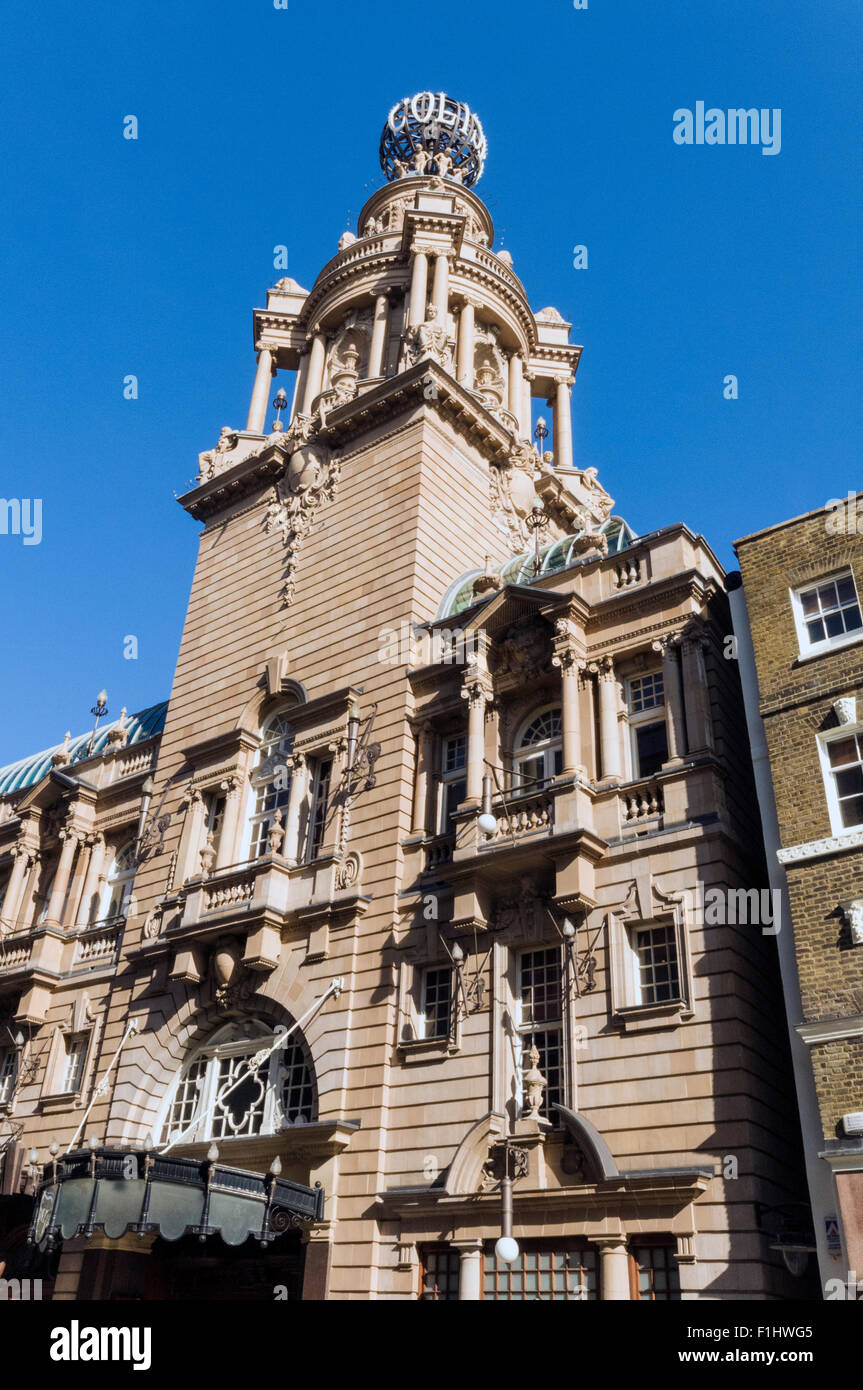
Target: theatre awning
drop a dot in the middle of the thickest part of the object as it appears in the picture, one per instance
(114, 1191)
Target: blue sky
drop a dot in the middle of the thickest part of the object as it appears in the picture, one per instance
(259, 127)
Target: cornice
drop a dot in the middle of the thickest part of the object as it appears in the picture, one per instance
(817, 849)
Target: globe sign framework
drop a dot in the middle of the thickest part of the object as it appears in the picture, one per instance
(437, 123)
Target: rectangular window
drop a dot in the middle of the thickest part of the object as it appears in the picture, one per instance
(650, 748)
(8, 1073)
(215, 816)
(540, 1014)
(845, 761)
(646, 692)
(439, 1270)
(186, 1100)
(656, 1275)
(319, 806)
(453, 782)
(73, 1065)
(828, 614)
(437, 1003)
(564, 1271)
(658, 976)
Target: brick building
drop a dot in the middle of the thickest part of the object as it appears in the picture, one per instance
(802, 581)
(399, 894)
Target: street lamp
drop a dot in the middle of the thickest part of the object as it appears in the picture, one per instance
(100, 709)
(280, 403)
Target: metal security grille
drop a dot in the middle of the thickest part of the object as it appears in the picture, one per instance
(656, 948)
(564, 1272)
(657, 1275)
(439, 1271)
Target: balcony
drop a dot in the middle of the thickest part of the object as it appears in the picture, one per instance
(260, 898)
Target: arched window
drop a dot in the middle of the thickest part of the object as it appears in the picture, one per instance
(538, 755)
(271, 781)
(278, 1093)
(118, 884)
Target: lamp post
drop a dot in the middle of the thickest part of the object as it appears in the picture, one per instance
(537, 521)
(100, 709)
(280, 402)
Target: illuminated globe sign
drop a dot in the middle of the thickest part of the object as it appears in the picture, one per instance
(430, 133)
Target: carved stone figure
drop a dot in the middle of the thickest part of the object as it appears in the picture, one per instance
(854, 918)
(346, 239)
(275, 834)
(213, 461)
(534, 1084)
(428, 340)
(311, 477)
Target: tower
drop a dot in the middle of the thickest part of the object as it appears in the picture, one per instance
(445, 730)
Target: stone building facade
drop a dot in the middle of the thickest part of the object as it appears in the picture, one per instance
(802, 581)
(446, 732)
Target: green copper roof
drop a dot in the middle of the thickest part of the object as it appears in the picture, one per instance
(520, 569)
(28, 771)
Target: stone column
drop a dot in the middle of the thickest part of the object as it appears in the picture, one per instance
(609, 733)
(379, 336)
(26, 909)
(614, 1265)
(527, 419)
(667, 647)
(91, 878)
(562, 426)
(568, 659)
(300, 385)
(469, 1269)
(425, 744)
(419, 288)
(477, 690)
(440, 287)
(315, 373)
(192, 838)
(515, 388)
(225, 848)
(23, 857)
(467, 343)
(296, 795)
(261, 391)
(696, 696)
(69, 841)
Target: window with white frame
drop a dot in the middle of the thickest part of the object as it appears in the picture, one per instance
(436, 1013)
(648, 735)
(656, 964)
(842, 761)
(827, 614)
(214, 815)
(118, 884)
(319, 805)
(74, 1061)
(539, 1012)
(271, 782)
(538, 753)
(219, 1095)
(452, 787)
(8, 1073)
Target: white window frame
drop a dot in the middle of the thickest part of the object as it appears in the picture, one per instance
(636, 719)
(633, 932)
(217, 1048)
(124, 878)
(808, 649)
(546, 749)
(8, 1075)
(526, 1029)
(446, 777)
(829, 778)
(422, 1015)
(71, 1043)
(277, 740)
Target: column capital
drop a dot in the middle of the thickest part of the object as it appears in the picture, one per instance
(231, 784)
(666, 642)
(470, 301)
(603, 667)
(477, 687)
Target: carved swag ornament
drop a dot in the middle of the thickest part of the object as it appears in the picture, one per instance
(311, 477)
